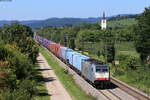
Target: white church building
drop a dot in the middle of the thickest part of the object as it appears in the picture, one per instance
(103, 22)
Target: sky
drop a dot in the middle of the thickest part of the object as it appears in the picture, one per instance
(43, 9)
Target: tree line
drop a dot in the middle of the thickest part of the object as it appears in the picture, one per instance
(18, 52)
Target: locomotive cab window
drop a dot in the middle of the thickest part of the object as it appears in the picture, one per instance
(101, 69)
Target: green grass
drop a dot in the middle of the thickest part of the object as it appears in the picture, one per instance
(125, 46)
(66, 79)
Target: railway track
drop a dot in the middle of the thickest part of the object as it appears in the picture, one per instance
(119, 90)
(137, 94)
(109, 95)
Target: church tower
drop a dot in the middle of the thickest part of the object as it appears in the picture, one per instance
(103, 22)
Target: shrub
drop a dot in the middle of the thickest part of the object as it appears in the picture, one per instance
(128, 61)
(15, 95)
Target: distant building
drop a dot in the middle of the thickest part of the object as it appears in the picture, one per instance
(103, 22)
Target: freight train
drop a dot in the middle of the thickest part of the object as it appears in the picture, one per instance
(94, 71)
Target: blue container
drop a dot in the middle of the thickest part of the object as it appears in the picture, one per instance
(64, 52)
(70, 56)
(79, 61)
(75, 60)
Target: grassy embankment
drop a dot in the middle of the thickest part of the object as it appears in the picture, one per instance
(66, 79)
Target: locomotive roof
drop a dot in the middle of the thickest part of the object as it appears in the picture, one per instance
(95, 61)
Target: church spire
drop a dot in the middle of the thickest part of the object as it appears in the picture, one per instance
(104, 15)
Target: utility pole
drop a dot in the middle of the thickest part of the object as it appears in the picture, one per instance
(2, 34)
(65, 39)
(34, 34)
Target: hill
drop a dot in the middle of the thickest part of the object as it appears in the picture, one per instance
(58, 22)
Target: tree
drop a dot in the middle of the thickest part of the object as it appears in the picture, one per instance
(109, 43)
(85, 36)
(142, 31)
(20, 35)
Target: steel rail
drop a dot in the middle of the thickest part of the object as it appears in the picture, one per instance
(130, 90)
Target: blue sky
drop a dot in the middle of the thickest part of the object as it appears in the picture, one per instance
(42, 9)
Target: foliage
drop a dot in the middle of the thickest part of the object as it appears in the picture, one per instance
(15, 95)
(128, 61)
(110, 52)
(20, 35)
(142, 41)
(85, 36)
(18, 52)
(121, 23)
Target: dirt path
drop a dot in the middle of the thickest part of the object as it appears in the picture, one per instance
(54, 87)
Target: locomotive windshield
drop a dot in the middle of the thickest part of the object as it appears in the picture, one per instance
(102, 68)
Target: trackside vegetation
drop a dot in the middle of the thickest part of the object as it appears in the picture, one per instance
(66, 79)
(19, 79)
(125, 44)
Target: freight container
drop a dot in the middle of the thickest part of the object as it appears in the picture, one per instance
(79, 61)
(62, 49)
(47, 43)
(52, 47)
(75, 60)
(70, 57)
(63, 52)
(56, 49)
(44, 42)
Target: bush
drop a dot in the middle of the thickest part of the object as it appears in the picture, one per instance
(133, 62)
(15, 95)
(118, 72)
(128, 61)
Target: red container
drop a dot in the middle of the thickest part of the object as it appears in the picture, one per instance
(55, 48)
(51, 47)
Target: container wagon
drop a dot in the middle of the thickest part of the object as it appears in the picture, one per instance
(95, 71)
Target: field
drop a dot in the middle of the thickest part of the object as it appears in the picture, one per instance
(122, 22)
